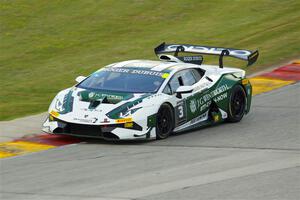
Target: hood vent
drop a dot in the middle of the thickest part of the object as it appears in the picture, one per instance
(94, 104)
(105, 100)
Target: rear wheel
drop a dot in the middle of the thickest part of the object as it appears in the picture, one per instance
(237, 104)
(164, 121)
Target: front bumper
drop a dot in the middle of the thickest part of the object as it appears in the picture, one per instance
(119, 131)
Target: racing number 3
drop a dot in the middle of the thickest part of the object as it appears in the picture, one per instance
(181, 112)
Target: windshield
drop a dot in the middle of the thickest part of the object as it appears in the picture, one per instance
(124, 80)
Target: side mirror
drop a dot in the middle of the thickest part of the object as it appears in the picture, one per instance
(183, 90)
(80, 78)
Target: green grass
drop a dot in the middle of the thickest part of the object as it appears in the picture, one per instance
(45, 44)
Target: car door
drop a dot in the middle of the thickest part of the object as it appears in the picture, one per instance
(185, 77)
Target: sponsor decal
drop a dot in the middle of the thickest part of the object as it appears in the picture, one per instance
(54, 113)
(204, 102)
(100, 96)
(128, 125)
(216, 118)
(209, 50)
(154, 95)
(151, 121)
(219, 90)
(92, 120)
(191, 59)
(193, 106)
(165, 75)
(88, 109)
(89, 96)
(124, 120)
(220, 98)
(133, 71)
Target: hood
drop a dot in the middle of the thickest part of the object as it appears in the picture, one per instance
(88, 106)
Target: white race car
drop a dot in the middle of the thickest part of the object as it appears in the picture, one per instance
(144, 99)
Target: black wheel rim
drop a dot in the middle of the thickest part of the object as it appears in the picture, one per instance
(164, 122)
(238, 104)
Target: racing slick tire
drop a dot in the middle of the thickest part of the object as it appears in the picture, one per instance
(237, 104)
(164, 121)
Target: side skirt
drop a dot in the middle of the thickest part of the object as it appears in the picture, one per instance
(200, 123)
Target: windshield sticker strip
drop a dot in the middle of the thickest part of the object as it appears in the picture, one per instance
(133, 71)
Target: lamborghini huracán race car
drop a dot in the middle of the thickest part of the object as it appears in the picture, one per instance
(144, 99)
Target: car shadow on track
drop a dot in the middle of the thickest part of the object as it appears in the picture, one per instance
(142, 142)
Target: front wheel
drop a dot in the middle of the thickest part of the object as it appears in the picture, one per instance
(237, 104)
(164, 121)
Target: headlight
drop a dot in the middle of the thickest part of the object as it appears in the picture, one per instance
(59, 105)
(128, 112)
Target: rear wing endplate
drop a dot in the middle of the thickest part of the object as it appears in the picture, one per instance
(249, 56)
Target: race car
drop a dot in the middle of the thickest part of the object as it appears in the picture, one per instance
(145, 99)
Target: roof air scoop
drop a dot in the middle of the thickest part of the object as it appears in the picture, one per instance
(169, 58)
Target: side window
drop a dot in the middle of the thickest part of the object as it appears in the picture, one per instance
(198, 74)
(184, 77)
(167, 89)
(175, 83)
(188, 77)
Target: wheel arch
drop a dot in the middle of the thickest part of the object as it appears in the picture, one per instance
(230, 81)
(169, 103)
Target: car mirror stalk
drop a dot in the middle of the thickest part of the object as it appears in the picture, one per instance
(183, 90)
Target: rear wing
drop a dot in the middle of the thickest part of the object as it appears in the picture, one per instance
(249, 56)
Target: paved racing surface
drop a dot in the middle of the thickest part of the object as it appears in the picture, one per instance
(258, 158)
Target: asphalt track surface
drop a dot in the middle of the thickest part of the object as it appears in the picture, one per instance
(258, 158)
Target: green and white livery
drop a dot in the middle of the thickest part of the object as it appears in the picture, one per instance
(144, 99)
